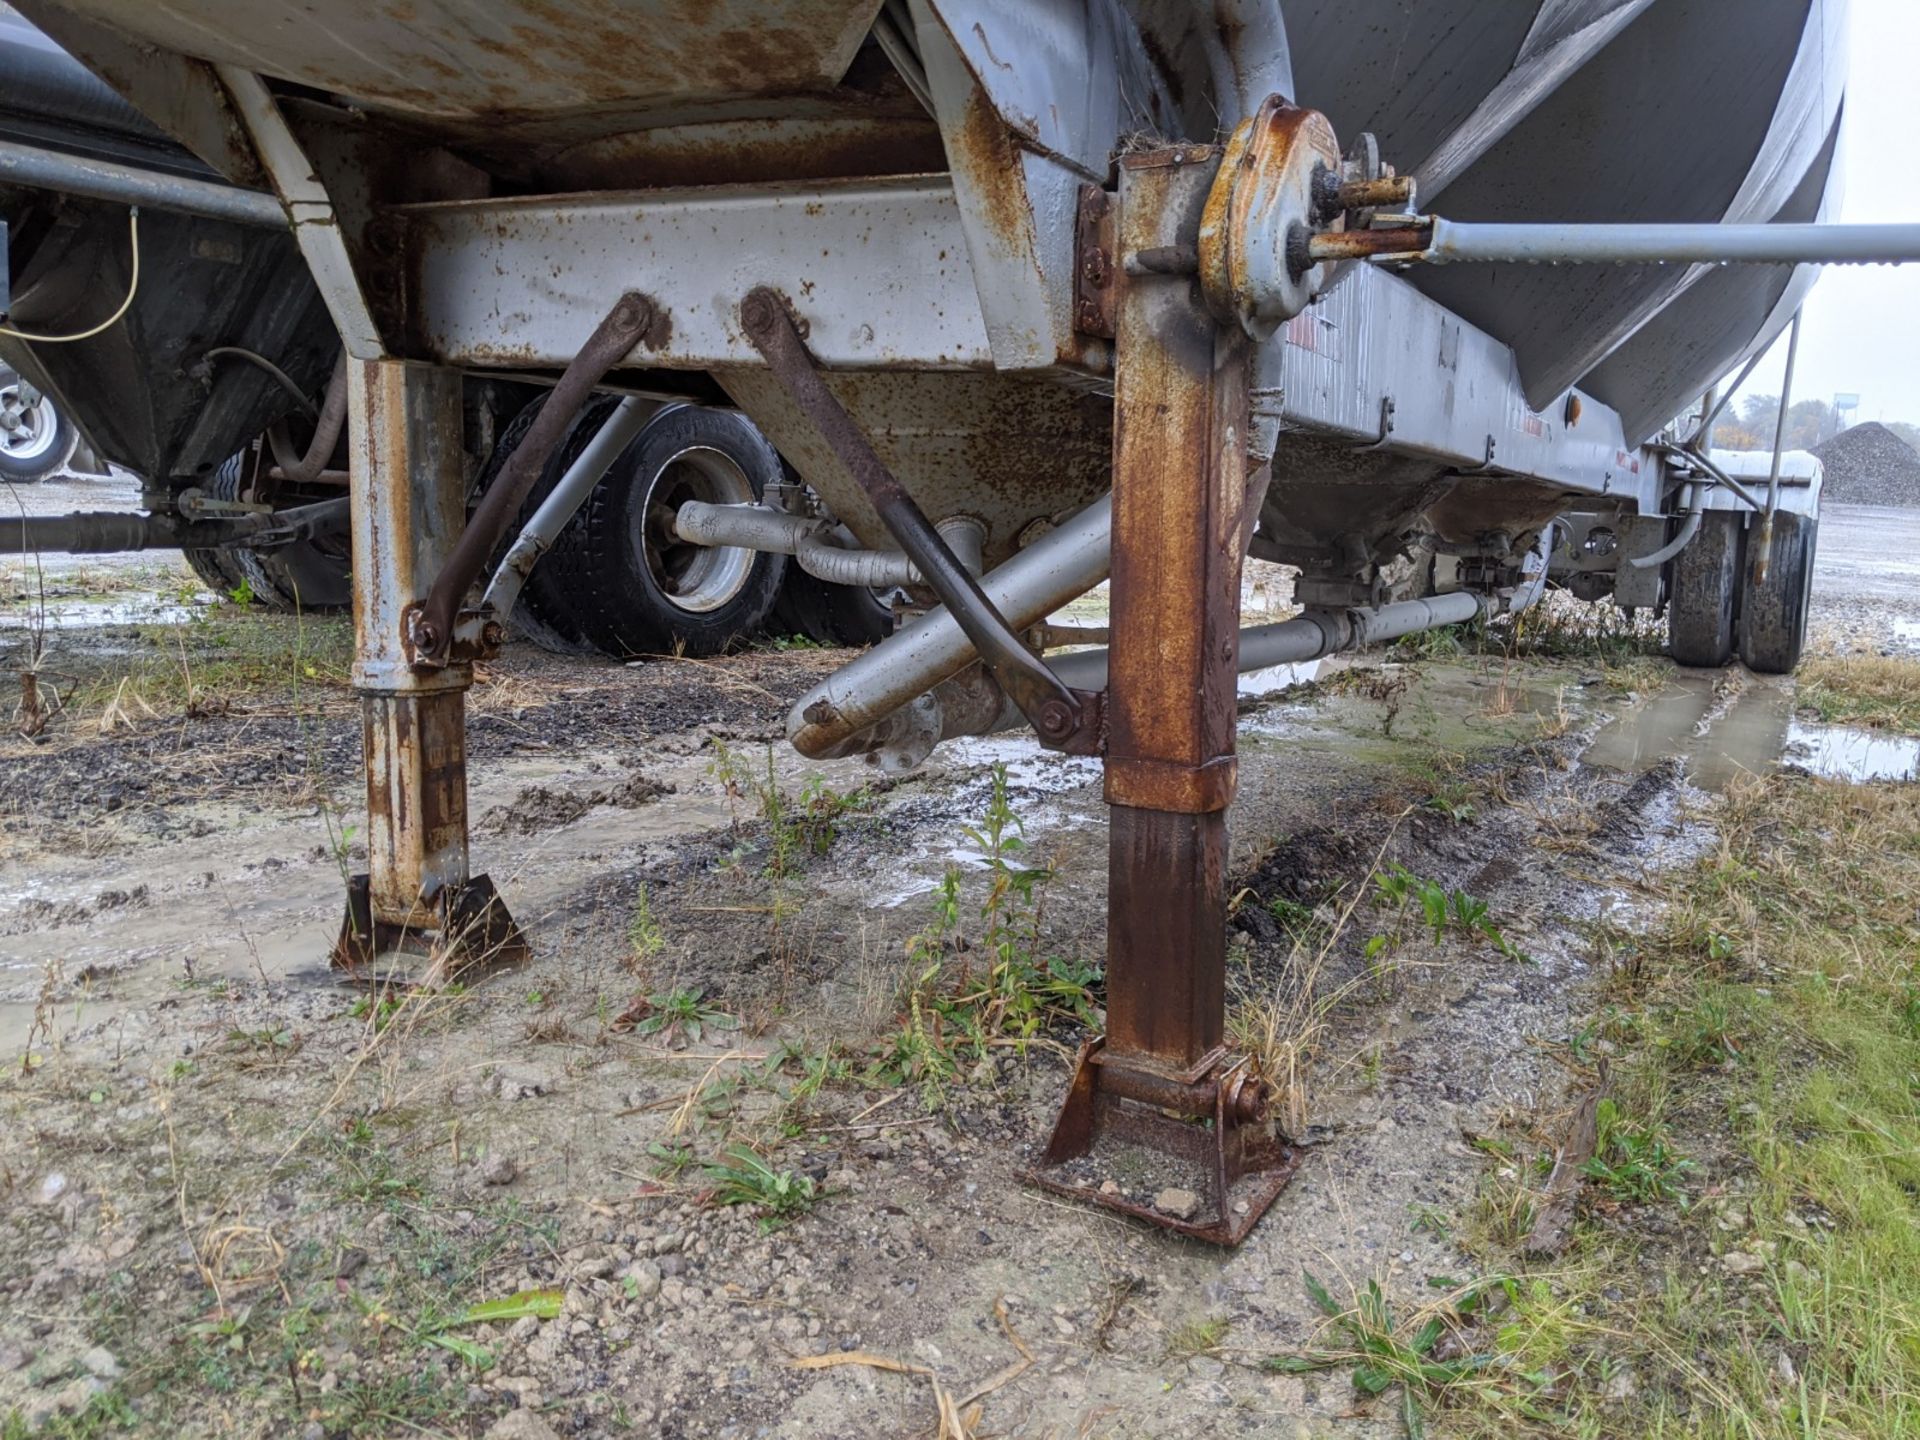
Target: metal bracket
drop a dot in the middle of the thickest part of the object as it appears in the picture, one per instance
(1214, 1119)
(473, 927)
(1093, 264)
(1485, 467)
(1386, 427)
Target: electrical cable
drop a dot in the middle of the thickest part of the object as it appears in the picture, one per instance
(133, 288)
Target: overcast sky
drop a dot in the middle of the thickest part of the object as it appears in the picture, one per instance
(1861, 333)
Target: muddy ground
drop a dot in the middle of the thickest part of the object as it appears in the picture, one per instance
(243, 1198)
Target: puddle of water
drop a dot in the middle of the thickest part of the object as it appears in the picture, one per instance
(134, 608)
(1842, 752)
(1752, 734)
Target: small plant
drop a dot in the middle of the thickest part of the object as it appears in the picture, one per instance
(1460, 812)
(1441, 908)
(381, 1010)
(1383, 1355)
(671, 1161)
(744, 1177)
(644, 937)
(1633, 1160)
(675, 1016)
(1197, 1337)
(952, 1008)
(1295, 917)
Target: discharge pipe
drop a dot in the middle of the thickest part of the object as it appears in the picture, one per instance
(1439, 241)
(764, 527)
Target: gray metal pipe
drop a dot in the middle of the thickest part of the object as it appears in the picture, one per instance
(631, 416)
(1061, 566)
(1679, 542)
(1763, 560)
(970, 704)
(763, 527)
(1572, 244)
(123, 184)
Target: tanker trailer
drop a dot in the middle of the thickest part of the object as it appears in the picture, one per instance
(1034, 297)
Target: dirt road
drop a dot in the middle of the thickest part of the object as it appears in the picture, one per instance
(245, 1199)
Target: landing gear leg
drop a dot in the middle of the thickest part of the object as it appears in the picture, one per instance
(408, 508)
(1162, 1079)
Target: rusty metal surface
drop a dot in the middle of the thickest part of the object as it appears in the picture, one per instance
(416, 763)
(1093, 264)
(1166, 934)
(632, 321)
(1063, 718)
(1236, 1164)
(1180, 495)
(1269, 191)
(602, 64)
(1161, 1077)
(471, 926)
(785, 147)
(408, 492)
(1009, 450)
(879, 269)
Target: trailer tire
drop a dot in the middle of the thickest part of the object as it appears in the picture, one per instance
(843, 616)
(217, 568)
(636, 589)
(306, 577)
(1773, 615)
(1706, 586)
(44, 442)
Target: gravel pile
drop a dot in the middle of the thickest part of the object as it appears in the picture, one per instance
(1870, 465)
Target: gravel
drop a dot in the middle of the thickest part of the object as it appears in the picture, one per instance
(1870, 465)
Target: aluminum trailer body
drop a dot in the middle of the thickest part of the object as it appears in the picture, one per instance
(1088, 278)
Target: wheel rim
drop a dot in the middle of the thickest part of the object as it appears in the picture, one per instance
(35, 426)
(698, 579)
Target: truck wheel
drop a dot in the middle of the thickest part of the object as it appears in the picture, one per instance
(1706, 580)
(1773, 616)
(838, 615)
(636, 588)
(310, 576)
(40, 440)
(217, 568)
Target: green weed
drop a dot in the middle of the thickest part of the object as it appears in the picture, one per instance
(743, 1177)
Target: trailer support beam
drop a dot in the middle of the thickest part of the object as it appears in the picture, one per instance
(408, 509)
(1184, 498)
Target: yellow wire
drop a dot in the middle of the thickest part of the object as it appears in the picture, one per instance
(133, 286)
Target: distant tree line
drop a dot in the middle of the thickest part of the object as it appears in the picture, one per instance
(1748, 425)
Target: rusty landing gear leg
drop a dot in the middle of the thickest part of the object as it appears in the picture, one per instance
(408, 508)
(1162, 1081)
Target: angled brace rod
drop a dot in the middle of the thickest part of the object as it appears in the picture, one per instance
(1065, 719)
(624, 327)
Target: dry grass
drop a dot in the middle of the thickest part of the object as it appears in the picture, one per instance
(1882, 692)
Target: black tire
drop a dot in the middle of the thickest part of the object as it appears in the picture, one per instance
(633, 587)
(1706, 584)
(310, 577)
(217, 568)
(837, 615)
(42, 444)
(1773, 616)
